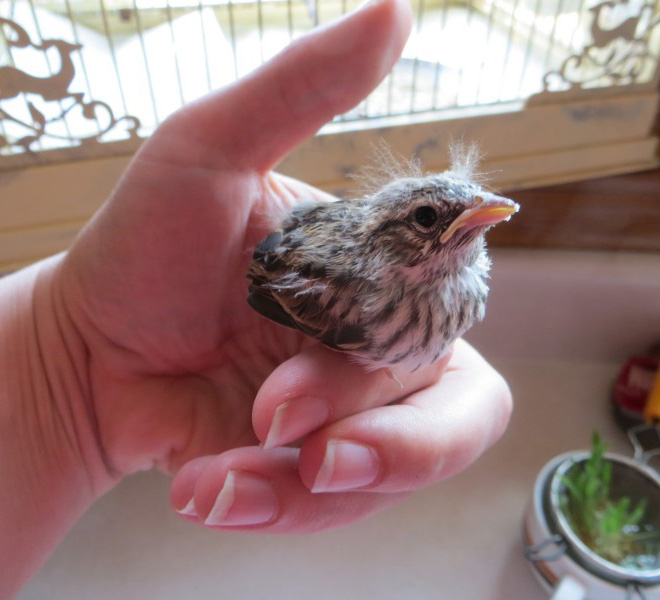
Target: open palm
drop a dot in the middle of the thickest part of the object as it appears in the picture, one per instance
(163, 288)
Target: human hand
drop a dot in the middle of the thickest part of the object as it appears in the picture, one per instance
(138, 350)
(177, 357)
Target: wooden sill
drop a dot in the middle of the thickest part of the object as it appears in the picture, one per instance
(621, 212)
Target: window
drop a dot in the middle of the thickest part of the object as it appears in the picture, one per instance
(552, 90)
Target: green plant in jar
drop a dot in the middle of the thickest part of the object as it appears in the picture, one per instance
(614, 528)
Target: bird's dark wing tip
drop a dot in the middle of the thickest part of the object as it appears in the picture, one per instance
(269, 308)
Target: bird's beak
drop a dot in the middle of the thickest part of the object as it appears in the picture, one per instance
(488, 209)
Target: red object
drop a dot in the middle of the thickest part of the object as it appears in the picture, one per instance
(633, 386)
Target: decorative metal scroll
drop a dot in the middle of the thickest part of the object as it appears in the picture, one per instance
(618, 54)
(50, 101)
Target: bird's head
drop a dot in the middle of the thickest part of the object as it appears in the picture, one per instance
(436, 221)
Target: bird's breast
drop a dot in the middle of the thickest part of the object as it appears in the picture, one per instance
(414, 325)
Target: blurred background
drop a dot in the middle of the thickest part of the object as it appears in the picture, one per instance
(553, 91)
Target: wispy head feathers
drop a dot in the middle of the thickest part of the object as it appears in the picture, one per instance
(388, 165)
(464, 160)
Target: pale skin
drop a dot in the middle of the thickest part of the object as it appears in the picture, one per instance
(136, 349)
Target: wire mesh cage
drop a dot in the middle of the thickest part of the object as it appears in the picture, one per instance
(75, 73)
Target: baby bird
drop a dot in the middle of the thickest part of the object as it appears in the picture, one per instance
(392, 278)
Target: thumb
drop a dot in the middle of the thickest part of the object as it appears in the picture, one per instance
(257, 121)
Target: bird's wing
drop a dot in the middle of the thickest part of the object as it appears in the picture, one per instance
(265, 304)
(297, 298)
(303, 310)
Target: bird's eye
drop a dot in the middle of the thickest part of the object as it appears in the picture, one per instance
(426, 216)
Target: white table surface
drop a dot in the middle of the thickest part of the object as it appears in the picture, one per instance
(558, 327)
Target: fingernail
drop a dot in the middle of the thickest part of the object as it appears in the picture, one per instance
(189, 509)
(346, 466)
(245, 499)
(294, 419)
